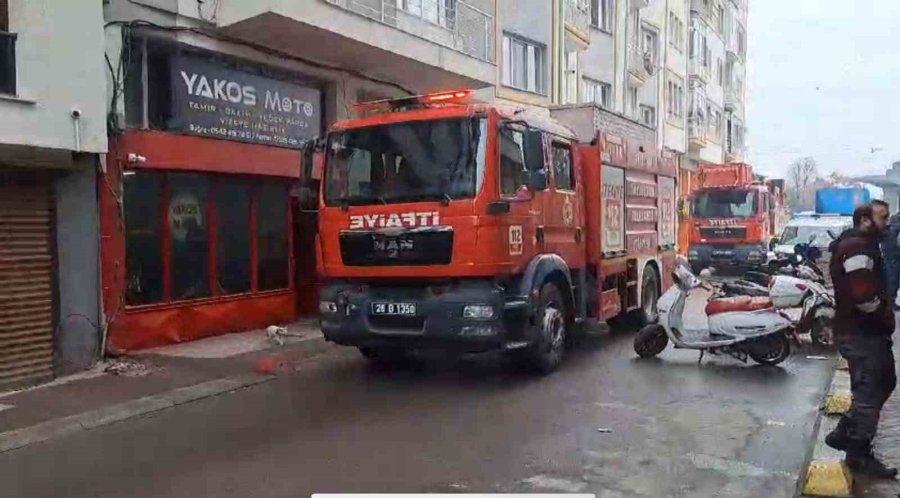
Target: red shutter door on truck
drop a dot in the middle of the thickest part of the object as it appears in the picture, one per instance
(612, 211)
(641, 213)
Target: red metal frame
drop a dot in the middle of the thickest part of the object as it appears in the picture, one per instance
(254, 244)
(135, 327)
(166, 242)
(212, 256)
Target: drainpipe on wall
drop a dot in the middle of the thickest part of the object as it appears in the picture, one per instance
(555, 51)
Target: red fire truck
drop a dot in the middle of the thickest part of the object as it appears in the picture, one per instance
(471, 227)
(735, 216)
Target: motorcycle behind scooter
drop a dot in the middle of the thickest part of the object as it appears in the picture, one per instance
(795, 289)
(740, 327)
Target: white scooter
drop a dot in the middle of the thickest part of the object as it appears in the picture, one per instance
(741, 326)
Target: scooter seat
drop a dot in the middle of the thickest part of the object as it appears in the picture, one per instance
(737, 303)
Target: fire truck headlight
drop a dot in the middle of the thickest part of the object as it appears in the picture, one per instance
(328, 307)
(478, 312)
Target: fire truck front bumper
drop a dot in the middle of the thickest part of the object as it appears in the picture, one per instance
(465, 317)
(706, 255)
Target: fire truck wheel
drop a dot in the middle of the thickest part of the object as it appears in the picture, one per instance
(547, 354)
(648, 312)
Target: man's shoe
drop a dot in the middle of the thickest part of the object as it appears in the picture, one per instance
(838, 440)
(871, 466)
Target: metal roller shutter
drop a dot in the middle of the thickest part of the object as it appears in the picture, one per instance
(26, 279)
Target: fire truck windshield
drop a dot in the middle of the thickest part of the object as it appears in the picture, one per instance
(406, 162)
(726, 203)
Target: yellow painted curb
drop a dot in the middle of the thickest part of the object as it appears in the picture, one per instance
(838, 403)
(842, 364)
(828, 478)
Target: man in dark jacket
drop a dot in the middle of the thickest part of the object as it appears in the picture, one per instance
(864, 322)
(890, 249)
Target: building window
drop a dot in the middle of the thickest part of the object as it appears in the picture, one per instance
(523, 65)
(675, 98)
(714, 129)
(563, 171)
(650, 44)
(7, 52)
(741, 42)
(570, 79)
(676, 32)
(603, 14)
(272, 235)
(233, 258)
(632, 101)
(597, 92)
(188, 216)
(143, 201)
(440, 12)
(720, 19)
(191, 236)
(706, 52)
(648, 115)
(720, 72)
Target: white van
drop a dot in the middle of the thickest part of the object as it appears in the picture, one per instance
(803, 227)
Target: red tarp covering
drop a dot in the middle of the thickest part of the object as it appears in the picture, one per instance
(181, 322)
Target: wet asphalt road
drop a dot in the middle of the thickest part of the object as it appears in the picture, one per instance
(676, 428)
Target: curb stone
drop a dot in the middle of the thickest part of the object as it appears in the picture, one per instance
(827, 474)
(20, 438)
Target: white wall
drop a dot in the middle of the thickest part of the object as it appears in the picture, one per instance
(674, 131)
(60, 67)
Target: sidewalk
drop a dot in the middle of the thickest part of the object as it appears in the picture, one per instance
(887, 445)
(148, 381)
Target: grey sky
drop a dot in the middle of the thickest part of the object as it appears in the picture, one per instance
(824, 81)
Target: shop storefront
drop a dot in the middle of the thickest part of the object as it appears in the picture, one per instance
(199, 232)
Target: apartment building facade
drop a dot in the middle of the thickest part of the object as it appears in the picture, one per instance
(716, 94)
(52, 145)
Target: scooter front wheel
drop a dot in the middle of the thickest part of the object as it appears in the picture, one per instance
(650, 341)
(770, 350)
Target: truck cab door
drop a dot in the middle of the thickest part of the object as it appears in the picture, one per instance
(563, 225)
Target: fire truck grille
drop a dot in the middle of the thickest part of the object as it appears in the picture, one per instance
(723, 232)
(418, 248)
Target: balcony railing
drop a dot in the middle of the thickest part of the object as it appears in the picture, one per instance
(699, 70)
(735, 154)
(7, 63)
(469, 24)
(733, 99)
(640, 63)
(578, 18)
(697, 130)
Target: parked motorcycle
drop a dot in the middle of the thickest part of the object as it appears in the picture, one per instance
(741, 327)
(805, 289)
(802, 265)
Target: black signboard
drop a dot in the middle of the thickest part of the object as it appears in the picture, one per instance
(215, 101)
